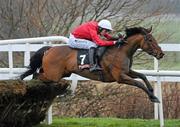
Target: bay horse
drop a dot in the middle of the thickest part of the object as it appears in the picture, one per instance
(60, 61)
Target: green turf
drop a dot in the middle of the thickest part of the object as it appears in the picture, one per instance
(108, 122)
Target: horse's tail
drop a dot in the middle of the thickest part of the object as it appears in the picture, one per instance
(35, 62)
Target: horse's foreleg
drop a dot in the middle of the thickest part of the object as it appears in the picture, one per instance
(134, 74)
(128, 80)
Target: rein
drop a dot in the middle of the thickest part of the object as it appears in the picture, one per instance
(145, 39)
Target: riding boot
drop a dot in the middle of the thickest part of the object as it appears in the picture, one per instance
(93, 62)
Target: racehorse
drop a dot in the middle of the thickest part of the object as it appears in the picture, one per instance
(60, 61)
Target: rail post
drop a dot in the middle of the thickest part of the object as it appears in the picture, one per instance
(158, 108)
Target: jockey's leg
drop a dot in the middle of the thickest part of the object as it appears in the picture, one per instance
(94, 66)
(100, 52)
(86, 44)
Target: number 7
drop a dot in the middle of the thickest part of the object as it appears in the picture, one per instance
(82, 59)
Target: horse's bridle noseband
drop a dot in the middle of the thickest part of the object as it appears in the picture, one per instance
(146, 39)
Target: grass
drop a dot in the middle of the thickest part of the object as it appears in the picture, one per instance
(108, 122)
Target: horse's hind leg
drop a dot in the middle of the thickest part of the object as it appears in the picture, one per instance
(27, 73)
(42, 77)
(52, 74)
(36, 74)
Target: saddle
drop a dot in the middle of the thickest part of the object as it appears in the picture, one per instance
(83, 57)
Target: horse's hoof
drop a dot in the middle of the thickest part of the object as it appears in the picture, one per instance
(155, 100)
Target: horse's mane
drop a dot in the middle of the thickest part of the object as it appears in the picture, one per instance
(133, 31)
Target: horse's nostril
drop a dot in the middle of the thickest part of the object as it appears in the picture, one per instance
(162, 54)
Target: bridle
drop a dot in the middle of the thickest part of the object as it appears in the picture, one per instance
(147, 40)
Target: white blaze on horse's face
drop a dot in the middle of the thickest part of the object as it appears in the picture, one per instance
(150, 45)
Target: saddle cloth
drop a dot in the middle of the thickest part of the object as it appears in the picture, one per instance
(83, 58)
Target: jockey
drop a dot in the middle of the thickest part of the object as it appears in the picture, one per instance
(89, 36)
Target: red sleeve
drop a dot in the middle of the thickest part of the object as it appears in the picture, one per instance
(98, 41)
(108, 36)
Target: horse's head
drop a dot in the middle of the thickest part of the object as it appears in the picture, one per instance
(150, 45)
(146, 41)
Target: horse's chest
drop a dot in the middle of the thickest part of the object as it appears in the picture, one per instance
(125, 65)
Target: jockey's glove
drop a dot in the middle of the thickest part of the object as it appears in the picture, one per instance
(120, 41)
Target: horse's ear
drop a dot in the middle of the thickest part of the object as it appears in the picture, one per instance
(149, 29)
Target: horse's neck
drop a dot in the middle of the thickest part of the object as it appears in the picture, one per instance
(131, 47)
(125, 51)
